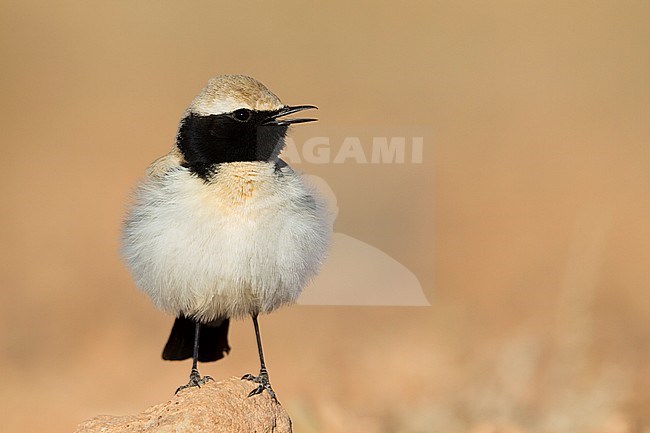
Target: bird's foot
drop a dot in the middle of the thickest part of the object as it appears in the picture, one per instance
(195, 380)
(264, 384)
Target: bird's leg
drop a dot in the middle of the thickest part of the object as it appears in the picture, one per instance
(195, 377)
(263, 378)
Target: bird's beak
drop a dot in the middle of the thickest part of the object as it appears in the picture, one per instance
(274, 120)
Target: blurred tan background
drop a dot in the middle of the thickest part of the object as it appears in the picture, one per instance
(528, 223)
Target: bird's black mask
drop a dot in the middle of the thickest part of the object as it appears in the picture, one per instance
(243, 135)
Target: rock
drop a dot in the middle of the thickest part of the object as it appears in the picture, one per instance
(216, 407)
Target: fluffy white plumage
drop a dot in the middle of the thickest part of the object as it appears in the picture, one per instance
(246, 242)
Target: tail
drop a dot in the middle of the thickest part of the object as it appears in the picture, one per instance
(213, 340)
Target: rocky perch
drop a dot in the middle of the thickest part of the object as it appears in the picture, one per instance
(216, 407)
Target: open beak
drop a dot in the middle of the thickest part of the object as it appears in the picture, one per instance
(275, 120)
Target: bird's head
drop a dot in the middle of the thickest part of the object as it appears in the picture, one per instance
(234, 118)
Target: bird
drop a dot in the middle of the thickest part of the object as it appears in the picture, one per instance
(221, 228)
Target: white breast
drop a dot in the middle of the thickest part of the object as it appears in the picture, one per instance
(248, 241)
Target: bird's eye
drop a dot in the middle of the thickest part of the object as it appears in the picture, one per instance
(242, 115)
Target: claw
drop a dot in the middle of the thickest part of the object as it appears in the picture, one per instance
(258, 390)
(195, 381)
(264, 384)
